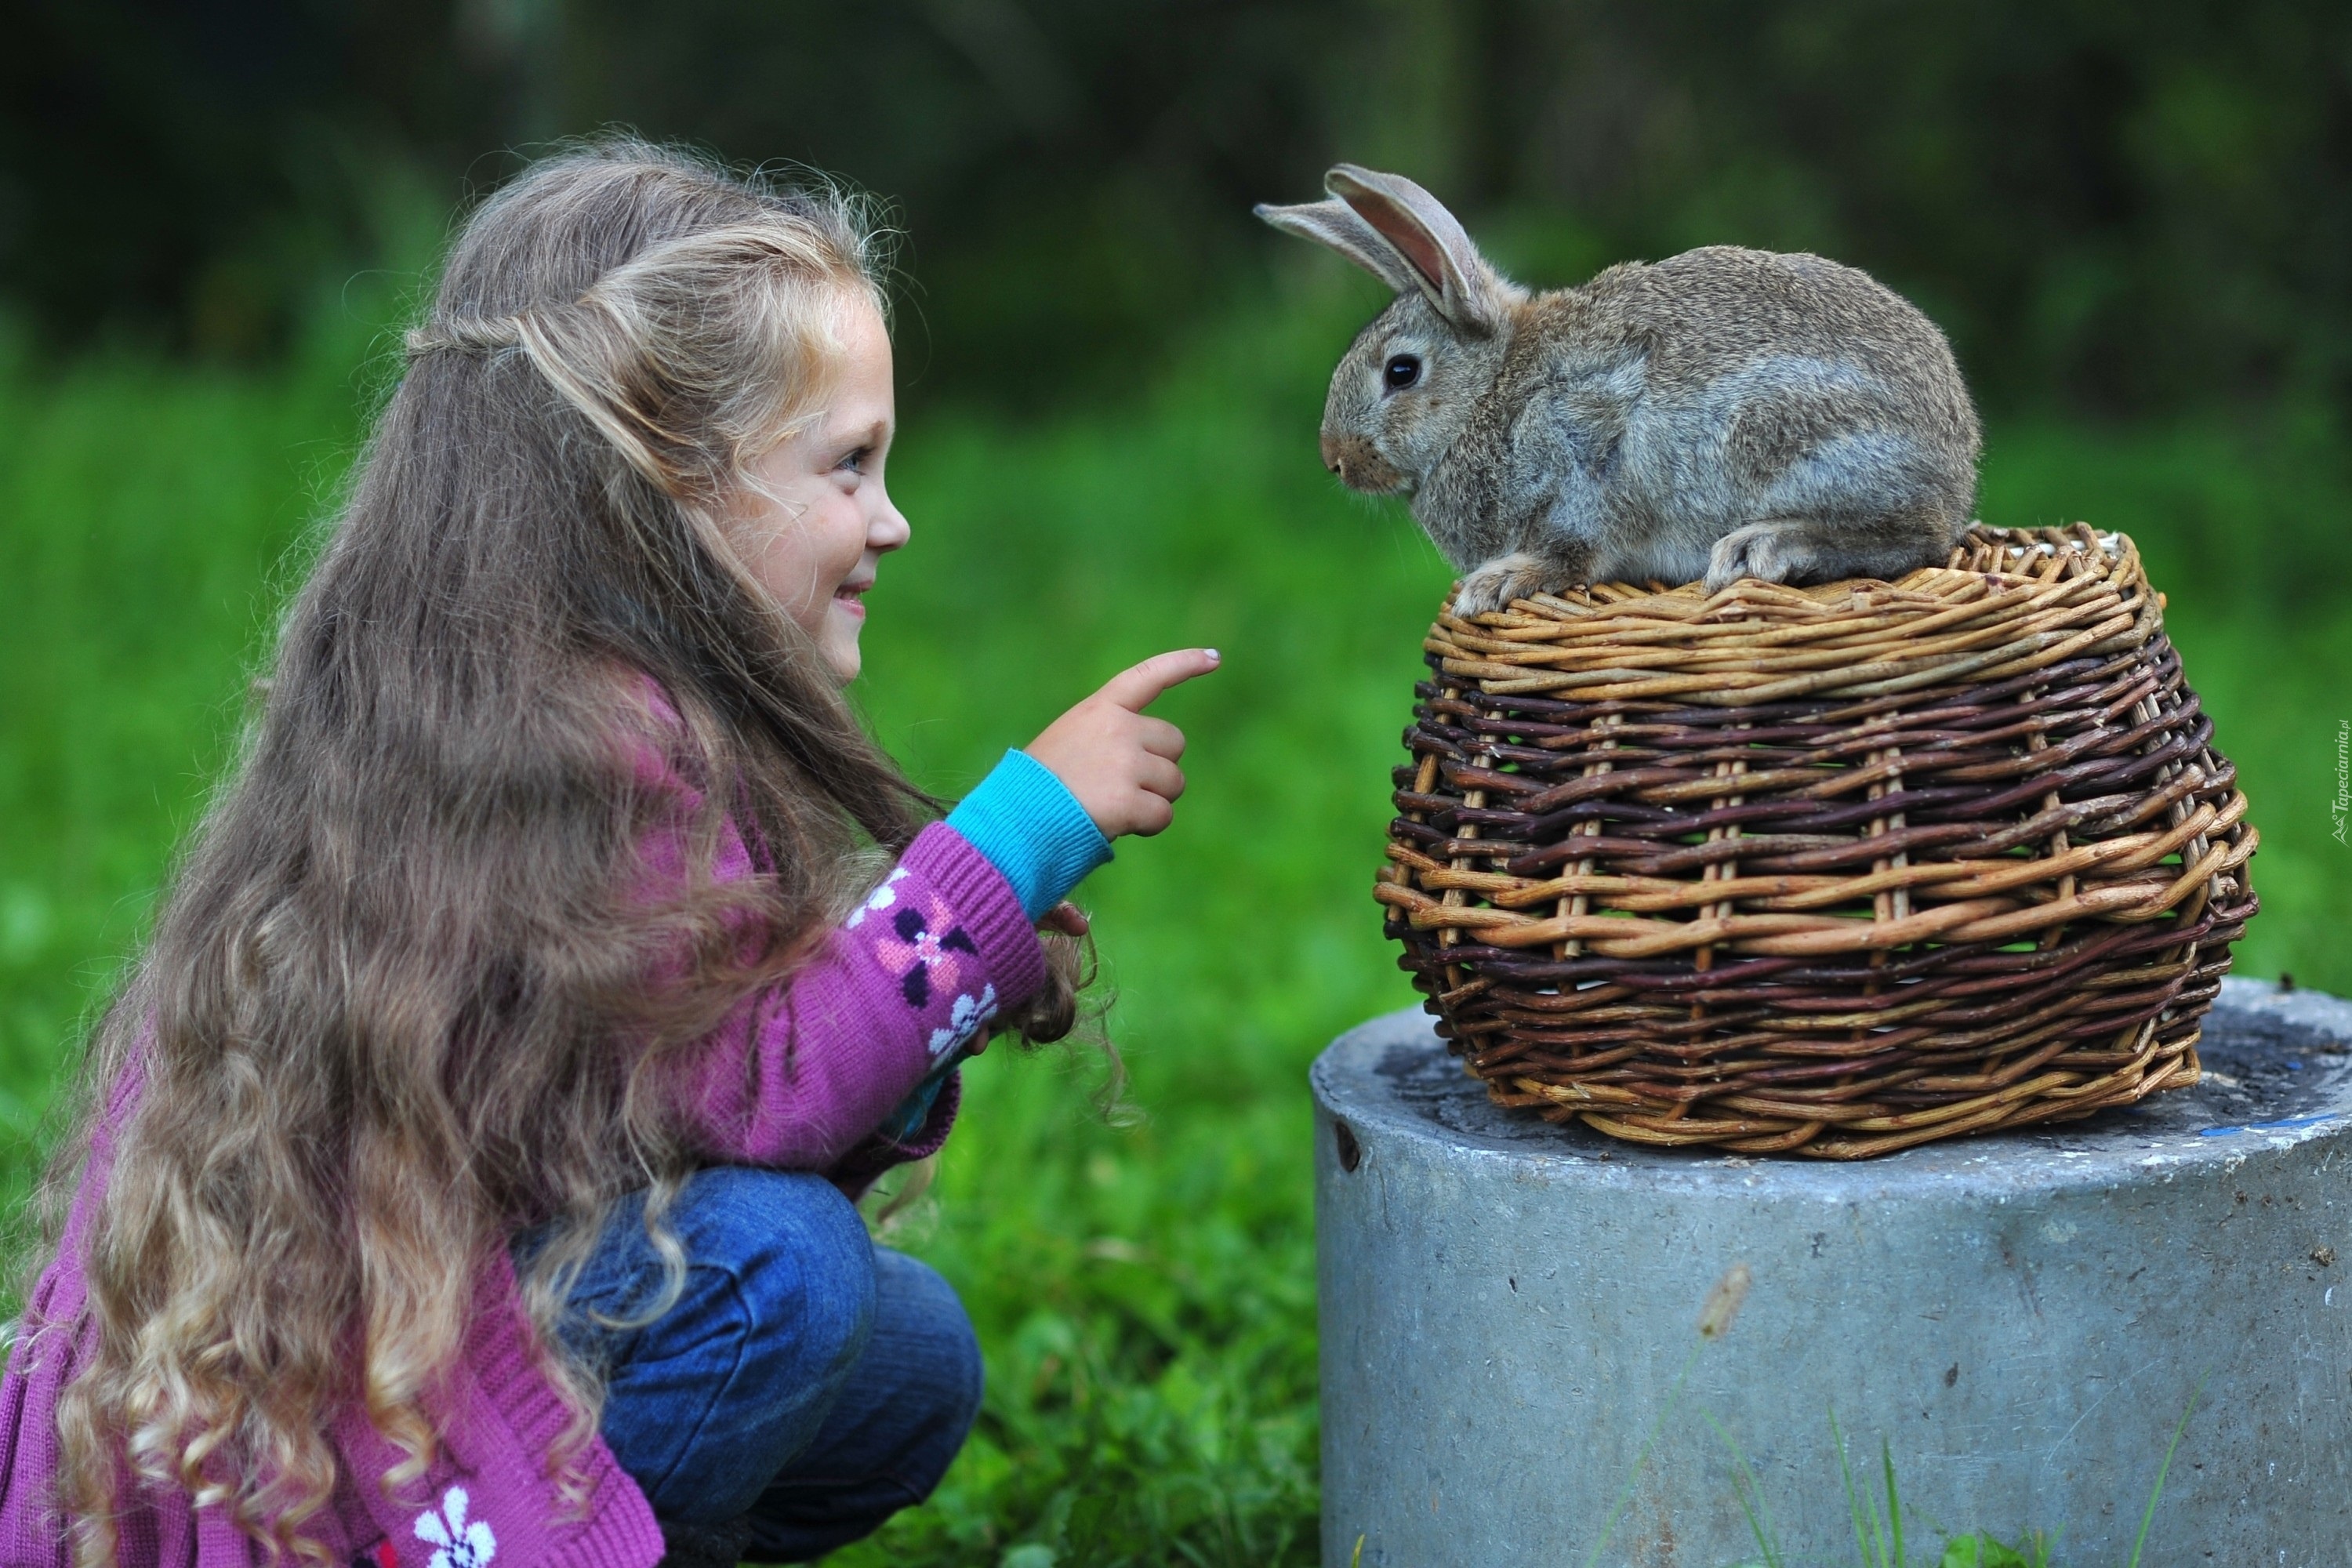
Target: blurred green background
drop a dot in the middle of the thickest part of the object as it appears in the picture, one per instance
(2135, 222)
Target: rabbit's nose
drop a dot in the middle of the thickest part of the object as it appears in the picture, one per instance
(1359, 464)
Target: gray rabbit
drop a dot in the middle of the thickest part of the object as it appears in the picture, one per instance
(1725, 413)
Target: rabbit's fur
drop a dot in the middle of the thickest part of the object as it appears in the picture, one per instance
(1725, 413)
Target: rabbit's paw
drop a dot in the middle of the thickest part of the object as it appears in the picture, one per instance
(1506, 577)
(1769, 551)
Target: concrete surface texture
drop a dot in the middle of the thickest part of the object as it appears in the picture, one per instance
(2021, 1320)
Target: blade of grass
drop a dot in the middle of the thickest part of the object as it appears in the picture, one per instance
(1714, 1319)
(1625, 1499)
(1894, 1503)
(1866, 1533)
(2164, 1470)
(1751, 1498)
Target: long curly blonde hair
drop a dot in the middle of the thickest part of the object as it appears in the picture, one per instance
(395, 1004)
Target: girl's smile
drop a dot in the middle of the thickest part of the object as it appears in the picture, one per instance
(816, 517)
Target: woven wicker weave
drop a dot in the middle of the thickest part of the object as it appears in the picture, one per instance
(1832, 870)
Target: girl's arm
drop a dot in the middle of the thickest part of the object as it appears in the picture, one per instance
(1046, 824)
(802, 1074)
(804, 1071)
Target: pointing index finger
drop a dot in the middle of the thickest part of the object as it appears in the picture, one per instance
(1135, 690)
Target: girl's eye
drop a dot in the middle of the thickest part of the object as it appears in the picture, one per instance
(1401, 371)
(855, 461)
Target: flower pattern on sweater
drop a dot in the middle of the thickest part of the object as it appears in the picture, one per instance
(881, 898)
(457, 1543)
(968, 1017)
(927, 950)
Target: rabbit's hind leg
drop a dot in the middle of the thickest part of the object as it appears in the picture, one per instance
(1521, 574)
(1826, 550)
(1868, 502)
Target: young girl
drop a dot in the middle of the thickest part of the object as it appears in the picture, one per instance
(467, 1170)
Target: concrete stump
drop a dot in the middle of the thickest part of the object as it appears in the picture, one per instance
(2022, 1320)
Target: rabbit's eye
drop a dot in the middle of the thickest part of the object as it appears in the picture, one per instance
(1401, 371)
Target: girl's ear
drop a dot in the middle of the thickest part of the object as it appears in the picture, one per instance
(1335, 224)
(1437, 253)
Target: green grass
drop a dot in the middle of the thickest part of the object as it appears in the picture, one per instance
(1878, 1525)
(1145, 1292)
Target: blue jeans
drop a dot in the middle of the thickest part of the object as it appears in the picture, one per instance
(807, 1379)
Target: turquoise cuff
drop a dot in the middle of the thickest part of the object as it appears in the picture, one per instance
(905, 1121)
(1033, 830)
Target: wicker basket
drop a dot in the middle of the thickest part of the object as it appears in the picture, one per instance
(1830, 871)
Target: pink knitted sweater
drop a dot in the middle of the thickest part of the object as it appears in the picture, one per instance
(797, 1079)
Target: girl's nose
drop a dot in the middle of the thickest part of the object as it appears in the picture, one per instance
(889, 530)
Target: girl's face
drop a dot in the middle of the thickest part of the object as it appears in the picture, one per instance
(819, 518)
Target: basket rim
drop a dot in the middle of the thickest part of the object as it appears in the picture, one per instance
(2009, 602)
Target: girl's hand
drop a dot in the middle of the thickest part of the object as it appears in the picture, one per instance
(1119, 765)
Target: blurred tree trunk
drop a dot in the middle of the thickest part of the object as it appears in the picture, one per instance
(519, 44)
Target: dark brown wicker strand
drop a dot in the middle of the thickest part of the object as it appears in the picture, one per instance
(1829, 871)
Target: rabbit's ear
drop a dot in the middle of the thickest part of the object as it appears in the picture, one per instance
(1335, 224)
(1444, 265)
